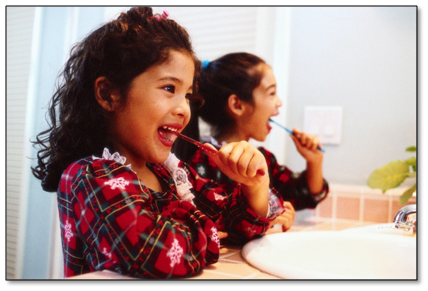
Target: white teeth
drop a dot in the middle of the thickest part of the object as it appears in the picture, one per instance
(169, 128)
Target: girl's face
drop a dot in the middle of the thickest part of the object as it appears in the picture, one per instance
(157, 103)
(265, 105)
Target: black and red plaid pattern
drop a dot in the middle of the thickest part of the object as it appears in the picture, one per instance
(110, 221)
(291, 186)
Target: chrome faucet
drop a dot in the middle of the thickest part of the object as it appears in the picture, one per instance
(405, 219)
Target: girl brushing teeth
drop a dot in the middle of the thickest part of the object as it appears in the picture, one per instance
(240, 94)
(126, 204)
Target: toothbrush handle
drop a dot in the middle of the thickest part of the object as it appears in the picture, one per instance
(197, 143)
(318, 147)
(290, 132)
(321, 149)
(283, 127)
(206, 148)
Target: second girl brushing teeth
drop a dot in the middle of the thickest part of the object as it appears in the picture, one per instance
(240, 94)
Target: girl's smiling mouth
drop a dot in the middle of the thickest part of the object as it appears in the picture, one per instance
(166, 134)
(269, 127)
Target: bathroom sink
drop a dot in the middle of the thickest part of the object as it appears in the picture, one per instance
(359, 254)
(382, 228)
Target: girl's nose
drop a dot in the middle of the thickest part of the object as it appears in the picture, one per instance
(183, 108)
(278, 102)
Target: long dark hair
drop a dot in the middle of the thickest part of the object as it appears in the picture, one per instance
(234, 73)
(119, 50)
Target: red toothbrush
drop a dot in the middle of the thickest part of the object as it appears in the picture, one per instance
(205, 147)
(197, 143)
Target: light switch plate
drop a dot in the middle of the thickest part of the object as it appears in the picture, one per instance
(325, 122)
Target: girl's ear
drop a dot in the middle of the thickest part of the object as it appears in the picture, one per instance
(235, 105)
(107, 96)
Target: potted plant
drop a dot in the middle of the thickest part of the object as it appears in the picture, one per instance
(393, 174)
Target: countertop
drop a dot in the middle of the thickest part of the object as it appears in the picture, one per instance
(232, 266)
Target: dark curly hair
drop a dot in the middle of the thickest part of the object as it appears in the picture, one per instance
(119, 50)
(234, 73)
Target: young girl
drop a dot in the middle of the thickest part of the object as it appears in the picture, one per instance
(239, 90)
(126, 204)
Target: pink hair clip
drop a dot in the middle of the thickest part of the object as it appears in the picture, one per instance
(164, 15)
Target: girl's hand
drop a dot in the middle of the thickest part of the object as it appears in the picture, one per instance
(222, 234)
(307, 145)
(240, 161)
(286, 219)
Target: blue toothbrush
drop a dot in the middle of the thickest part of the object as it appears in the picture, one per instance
(290, 132)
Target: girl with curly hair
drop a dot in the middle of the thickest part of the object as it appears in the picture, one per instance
(126, 204)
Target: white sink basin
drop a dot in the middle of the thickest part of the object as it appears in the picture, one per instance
(383, 228)
(350, 255)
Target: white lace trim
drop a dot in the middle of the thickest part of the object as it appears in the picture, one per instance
(180, 178)
(171, 165)
(112, 157)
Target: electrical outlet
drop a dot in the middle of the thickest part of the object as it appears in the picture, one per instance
(325, 122)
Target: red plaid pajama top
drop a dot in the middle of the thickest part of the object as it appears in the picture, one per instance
(291, 186)
(110, 221)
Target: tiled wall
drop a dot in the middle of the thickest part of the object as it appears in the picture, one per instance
(361, 203)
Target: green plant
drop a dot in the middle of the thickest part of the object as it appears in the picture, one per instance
(393, 174)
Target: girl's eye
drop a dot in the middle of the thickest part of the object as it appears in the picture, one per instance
(170, 88)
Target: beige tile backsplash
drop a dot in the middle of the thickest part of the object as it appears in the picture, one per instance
(361, 203)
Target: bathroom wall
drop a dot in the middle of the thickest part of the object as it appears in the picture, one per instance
(55, 29)
(364, 60)
(360, 203)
